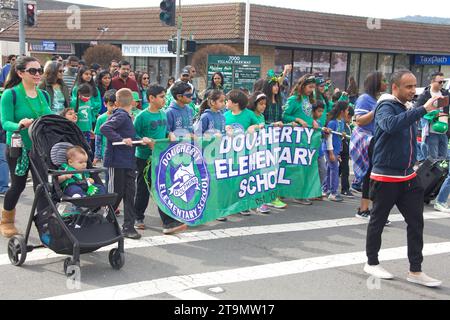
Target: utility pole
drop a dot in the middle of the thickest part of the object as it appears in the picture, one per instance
(247, 27)
(179, 26)
(21, 27)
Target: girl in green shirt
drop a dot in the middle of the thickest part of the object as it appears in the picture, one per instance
(83, 108)
(299, 105)
(19, 113)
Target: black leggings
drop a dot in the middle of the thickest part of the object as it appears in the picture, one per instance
(366, 180)
(18, 184)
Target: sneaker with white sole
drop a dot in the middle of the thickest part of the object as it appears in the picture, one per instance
(263, 209)
(378, 272)
(305, 202)
(278, 204)
(245, 213)
(222, 219)
(423, 280)
(335, 198)
(443, 207)
(363, 214)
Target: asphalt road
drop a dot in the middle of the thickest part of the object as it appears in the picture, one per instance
(314, 252)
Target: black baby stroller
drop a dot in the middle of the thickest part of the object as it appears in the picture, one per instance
(93, 227)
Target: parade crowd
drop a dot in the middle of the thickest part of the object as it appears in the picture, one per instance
(118, 104)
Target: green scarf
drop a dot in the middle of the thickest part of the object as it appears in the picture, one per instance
(23, 162)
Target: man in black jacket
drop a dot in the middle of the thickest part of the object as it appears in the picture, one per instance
(436, 142)
(393, 180)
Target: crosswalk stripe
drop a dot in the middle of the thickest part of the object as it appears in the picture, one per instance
(191, 295)
(187, 282)
(187, 237)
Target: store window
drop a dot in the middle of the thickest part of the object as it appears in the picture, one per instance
(321, 63)
(282, 58)
(141, 64)
(385, 64)
(428, 70)
(401, 62)
(417, 70)
(339, 69)
(355, 59)
(368, 65)
(302, 64)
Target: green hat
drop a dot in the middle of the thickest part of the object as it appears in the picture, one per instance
(136, 96)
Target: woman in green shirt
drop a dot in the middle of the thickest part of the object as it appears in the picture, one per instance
(18, 114)
(53, 83)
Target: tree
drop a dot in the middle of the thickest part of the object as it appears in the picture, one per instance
(102, 54)
(200, 58)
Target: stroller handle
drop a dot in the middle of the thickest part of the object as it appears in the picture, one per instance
(61, 172)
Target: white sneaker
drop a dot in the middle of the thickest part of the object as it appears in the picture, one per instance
(378, 272)
(443, 207)
(423, 279)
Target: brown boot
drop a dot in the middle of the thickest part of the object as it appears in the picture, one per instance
(7, 228)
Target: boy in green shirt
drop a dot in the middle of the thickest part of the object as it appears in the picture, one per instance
(239, 119)
(151, 123)
(136, 100)
(100, 140)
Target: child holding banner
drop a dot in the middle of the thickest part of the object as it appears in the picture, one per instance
(318, 110)
(211, 120)
(336, 122)
(151, 123)
(298, 110)
(239, 119)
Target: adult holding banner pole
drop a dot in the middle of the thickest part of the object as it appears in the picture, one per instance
(298, 110)
(393, 179)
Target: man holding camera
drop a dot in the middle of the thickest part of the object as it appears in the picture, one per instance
(435, 133)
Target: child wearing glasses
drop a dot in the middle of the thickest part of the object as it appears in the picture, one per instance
(180, 116)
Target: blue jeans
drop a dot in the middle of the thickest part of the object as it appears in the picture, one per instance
(437, 146)
(331, 183)
(4, 169)
(445, 191)
(81, 189)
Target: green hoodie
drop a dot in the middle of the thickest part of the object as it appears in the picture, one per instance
(87, 111)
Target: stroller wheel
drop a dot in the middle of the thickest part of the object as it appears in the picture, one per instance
(17, 250)
(116, 259)
(70, 267)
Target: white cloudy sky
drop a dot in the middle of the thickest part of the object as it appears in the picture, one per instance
(385, 9)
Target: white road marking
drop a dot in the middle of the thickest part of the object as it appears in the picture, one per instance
(191, 295)
(187, 237)
(187, 282)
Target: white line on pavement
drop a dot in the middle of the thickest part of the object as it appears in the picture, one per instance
(187, 282)
(43, 254)
(191, 295)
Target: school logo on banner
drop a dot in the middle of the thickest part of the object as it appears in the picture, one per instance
(182, 181)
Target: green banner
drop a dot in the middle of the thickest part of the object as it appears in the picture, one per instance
(201, 180)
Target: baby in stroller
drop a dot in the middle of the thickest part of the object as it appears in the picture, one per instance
(79, 184)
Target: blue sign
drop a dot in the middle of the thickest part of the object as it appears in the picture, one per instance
(432, 60)
(49, 46)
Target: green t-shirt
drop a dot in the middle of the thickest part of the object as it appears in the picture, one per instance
(25, 107)
(84, 113)
(261, 119)
(100, 121)
(58, 101)
(242, 121)
(150, 125)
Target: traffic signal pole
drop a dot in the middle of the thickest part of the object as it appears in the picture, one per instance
(21, 27)
(179, 25)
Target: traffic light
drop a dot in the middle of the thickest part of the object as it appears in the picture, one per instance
(167, 15)
(30, 14)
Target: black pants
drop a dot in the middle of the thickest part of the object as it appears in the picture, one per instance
(408, 197)
(366, 180)
(123, 182)
(18, 185)
(143, 195)
(344, 171)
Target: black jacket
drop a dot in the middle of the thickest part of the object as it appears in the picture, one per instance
(64, 89)
(395, 137)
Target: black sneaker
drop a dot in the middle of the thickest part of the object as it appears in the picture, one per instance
(131, 234)
(347, 194)
(363, 214)
(356, 188)
(388, 223)
(174, 227)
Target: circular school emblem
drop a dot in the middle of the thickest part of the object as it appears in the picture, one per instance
(182, 181)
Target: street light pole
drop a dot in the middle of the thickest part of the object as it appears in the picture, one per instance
(179, 26)
(247, 27)
(21, 27)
